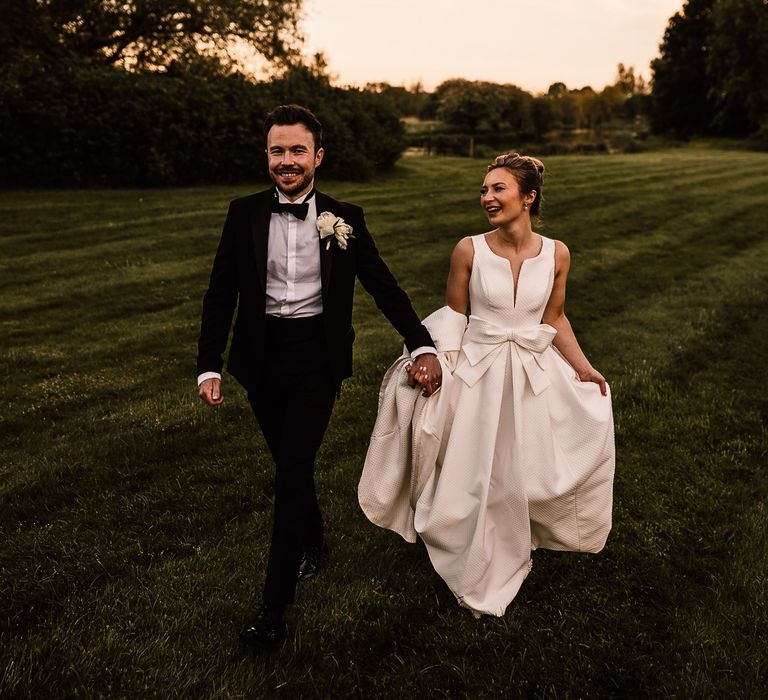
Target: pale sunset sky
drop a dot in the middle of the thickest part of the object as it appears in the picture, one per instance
(530, 43)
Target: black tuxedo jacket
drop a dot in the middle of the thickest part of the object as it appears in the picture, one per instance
(239, 278)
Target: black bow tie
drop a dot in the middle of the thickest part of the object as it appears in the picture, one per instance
(298, 210)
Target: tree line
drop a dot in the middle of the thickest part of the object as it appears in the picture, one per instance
(97, 93)
(153, 92)
(476, 106)
(710, 78)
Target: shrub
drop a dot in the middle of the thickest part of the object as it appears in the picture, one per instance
(98, 126)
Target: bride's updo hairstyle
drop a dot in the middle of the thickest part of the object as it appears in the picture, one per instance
(527, 171)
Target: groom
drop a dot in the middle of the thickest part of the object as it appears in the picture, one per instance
(292, 340)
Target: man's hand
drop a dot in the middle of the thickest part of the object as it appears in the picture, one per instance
(426, 371)
(210, 392)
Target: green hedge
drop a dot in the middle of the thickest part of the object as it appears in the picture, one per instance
(86, 126)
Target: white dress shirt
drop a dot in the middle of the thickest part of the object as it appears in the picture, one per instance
(294, 288)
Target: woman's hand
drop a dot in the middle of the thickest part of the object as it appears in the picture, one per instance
(425, 371)
(592, 375)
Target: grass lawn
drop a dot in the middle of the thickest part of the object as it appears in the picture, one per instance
(134, 520)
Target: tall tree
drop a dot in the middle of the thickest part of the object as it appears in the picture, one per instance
(681, 90)
(153, 34)
(628, 82)
(463, 103)
(475, 104)
(737, 65)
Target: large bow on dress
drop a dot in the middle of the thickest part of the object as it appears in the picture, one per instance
(484, 341)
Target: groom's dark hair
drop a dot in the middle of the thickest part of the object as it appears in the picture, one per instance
(285, 115)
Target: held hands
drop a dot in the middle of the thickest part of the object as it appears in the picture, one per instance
(210, 392)
(592, 375)
(425, 371)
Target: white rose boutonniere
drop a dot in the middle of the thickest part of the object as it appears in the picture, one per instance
(331, 226)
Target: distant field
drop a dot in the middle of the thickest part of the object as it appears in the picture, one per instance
(134, 522)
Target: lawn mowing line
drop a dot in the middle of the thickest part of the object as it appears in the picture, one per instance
(41, 247)
(643, 220)
(606, 287)
(80, 275)
(120, 220)
(133, 450)
(44, 270)
(716, 496)
(145, 624)
(130, 353)
(123, 516)
(659, 390)
(671, 164)
(672, 317)
(620, 185)
(643, 178)
(68, 287)
(107, 299)
(661, 205)
(730, 620)
(124, 256)
(58, 202)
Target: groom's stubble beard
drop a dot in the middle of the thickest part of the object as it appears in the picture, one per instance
(292, 189)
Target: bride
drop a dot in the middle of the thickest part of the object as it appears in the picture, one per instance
(515, 450)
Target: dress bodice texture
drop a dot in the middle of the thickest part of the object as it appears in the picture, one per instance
(492, 292)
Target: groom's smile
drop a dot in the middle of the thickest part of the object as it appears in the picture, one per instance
(292, 157)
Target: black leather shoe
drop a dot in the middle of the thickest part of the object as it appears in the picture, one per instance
(267, 630)
(312, 560)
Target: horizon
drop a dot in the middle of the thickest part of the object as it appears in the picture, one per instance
(357, 41)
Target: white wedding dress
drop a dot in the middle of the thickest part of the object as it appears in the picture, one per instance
(523, 453)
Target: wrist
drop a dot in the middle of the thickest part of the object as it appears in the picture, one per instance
(423, 350)
(207, 375)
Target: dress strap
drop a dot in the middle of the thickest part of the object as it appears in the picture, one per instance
(481, 243)
(479, 246)
(547, 246)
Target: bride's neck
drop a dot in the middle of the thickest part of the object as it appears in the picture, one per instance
(516, 234)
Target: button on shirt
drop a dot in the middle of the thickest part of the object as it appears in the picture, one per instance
(294, 288)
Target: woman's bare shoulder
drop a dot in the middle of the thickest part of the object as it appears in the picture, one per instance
(464, 250)
(561, 251)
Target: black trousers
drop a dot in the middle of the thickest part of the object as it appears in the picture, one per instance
(293, 404)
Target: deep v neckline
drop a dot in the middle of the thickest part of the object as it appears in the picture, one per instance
(515, 282)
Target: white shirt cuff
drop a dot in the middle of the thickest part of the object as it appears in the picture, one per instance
(207, 375)
(424, 350)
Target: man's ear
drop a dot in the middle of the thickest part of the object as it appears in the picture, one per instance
(319, 153)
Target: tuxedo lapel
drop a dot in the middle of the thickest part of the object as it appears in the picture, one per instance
(325, 203)
(260, 231)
